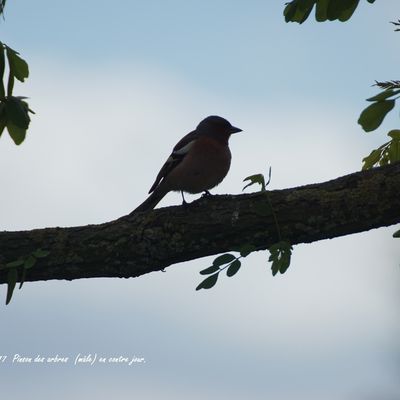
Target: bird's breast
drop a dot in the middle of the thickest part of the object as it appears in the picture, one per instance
(204, 167)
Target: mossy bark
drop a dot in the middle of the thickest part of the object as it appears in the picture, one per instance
(143, 242)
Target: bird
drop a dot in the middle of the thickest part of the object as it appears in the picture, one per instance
(198, 162)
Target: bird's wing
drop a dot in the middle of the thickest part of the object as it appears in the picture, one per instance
(178, 154)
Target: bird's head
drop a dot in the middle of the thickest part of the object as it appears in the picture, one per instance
(217, 127)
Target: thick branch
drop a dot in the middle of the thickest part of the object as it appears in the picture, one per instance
(145, 242)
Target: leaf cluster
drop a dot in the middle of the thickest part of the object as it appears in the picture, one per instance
(2, 5)
(372, 117)
(23, 264)
(226, 261)
(281, 254)
(397, 25)
(388, 153)
(325, 10)
(14, 110)
(388, 84)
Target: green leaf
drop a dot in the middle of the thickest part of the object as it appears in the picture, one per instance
(393, 151)
(257, 178)
(396, 234)
(372, 159)
(17, 112)
(18, 66)
(384, 159)
(321, 12)
(373, 115)
(12, 278)
(384, 95)
(2, 5)
(3, 117)
(16, 263)
(280, 255)
(348, 10)
(2, 68)
(10, 84)
(3, 123)
(223, 259)
(298, 10)
(30, 262)
(341, 10)
(247, 249)
(208, 283)
(289, 11)
(17, 134)
(23, 277)
(39, 253)
(233, 268)
(210, 270)
(394, 134)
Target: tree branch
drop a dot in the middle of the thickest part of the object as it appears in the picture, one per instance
(143, 242)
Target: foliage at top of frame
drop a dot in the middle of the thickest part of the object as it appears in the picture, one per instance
(325, 10)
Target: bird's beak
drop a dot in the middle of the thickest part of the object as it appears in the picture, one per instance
(233, 129)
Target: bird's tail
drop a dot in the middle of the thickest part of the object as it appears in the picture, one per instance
(151, 201)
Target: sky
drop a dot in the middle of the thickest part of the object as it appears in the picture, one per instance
(114, 87)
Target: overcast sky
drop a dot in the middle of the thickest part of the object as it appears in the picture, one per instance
(114, 85)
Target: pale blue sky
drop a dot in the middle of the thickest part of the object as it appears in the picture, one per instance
(115, 85)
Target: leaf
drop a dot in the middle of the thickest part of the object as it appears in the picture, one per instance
(396, 234)
(303, 10)
(18, 66)
(16, 263)
(384, 95)
(321, 12)
(30, 262)
(233, 268)
(23, 277)
(223, 259)
(348, 10)
(3, 117)
(393, 151)
(394, 134)
(12, 278)
(246, 249)
(3, 123)
(257, 178)
(17, 134)
(372, 159)
(208, 283)
(2, 68)
(298, 10)
(210, 270)
(290, 10)
(17, 112)
(2, 5)
(280, 256)
(388, 84)
(39, 253)
(373, 115)
(10, 84)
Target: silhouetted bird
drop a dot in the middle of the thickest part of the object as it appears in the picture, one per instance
(198, 162)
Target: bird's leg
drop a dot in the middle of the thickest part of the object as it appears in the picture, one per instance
(206, 194)
(184, 202)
